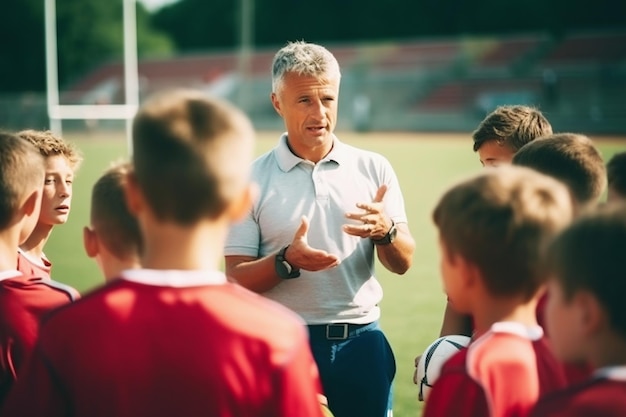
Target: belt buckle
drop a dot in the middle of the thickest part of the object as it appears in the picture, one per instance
(344, 331)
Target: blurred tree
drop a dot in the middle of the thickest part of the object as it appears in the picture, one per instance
(22, 59)
(89, 32)
(200, 24)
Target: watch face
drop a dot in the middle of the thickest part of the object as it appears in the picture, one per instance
(392, 233)
(283, 268)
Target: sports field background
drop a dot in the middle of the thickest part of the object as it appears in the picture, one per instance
(413, 304)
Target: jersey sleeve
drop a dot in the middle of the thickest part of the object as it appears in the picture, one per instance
(37, 381)
(455, 394)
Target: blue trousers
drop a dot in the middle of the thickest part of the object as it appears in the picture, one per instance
(357, 367)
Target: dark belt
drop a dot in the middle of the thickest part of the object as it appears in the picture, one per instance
(338, 331)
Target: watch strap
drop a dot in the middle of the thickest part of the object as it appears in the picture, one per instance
(389, 237)
(283, 268)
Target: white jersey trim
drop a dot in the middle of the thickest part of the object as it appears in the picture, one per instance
(41, 262)
(173, 277)
(527, 332)
(614, 373)
(10, 274)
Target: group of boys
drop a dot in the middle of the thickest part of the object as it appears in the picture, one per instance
(174, 315)
(170, 334)
(37, 170)
(531, 221)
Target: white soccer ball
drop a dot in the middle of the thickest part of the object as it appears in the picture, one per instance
(433, 358)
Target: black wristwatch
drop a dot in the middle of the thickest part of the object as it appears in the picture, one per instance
(389, 237)
(283, 268)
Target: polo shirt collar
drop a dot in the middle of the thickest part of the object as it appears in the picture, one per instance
(287, 160)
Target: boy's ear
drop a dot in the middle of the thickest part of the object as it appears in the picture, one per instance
(592, 315)
(132, 194)
(469, 273)
(90, 242)
(239, 207)
(32, 204)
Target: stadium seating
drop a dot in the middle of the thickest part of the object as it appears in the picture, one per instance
(579, 77)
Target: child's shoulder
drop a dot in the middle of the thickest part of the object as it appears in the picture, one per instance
(598, 397)
(506, 346)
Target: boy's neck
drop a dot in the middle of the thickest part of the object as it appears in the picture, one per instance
(8, 249)
(171, 246)
(112, 266)
(35, 243)
(495, 309)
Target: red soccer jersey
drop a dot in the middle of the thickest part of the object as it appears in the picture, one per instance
(170, 343)
(24, 301)
(33, 268)
(501, 374)
(601, 396)
(574, 372)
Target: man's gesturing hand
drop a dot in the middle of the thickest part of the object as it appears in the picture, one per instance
(301, 255)
(374, 223)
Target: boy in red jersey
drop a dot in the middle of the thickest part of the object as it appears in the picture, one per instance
(491, 230)
(24, 299)
(61, 162)
(586, 316)
(574, 160)
(497, 139)
(113, 239)
(175, 338)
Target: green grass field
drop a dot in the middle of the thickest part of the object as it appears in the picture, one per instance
(412, 308)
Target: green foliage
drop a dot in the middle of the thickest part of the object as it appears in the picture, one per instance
(89, 32)
(22, 58)
(199, 24)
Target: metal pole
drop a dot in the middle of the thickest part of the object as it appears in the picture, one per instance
(246, 39)
(131, 69)
(52, 68)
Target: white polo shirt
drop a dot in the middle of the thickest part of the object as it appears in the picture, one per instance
(291, 187)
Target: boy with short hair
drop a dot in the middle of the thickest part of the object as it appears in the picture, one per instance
(570, 158)
(616, 176)
(498, 137)
(176, 338)
(491, 230)
(586, 315)
(24, 299)
(505, 130)
(62, 160)
(113, 239)
(574, 160)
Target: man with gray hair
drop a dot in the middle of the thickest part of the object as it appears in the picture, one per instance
(326, 210)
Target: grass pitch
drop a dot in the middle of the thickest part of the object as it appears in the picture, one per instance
(413, 304)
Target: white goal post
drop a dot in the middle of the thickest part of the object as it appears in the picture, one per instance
(58, 112)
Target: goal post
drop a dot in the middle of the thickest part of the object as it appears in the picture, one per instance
(58, 112)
